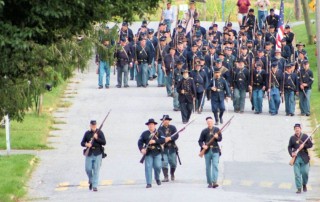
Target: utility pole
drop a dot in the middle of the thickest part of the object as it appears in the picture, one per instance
(318, 39)
(7, 123)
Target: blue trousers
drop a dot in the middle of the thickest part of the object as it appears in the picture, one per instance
(160, 74)
(212, 161)
(301, 172)
(168, 22)
(151, 71)
(93, 164)
(122, 69)
(239, 97)
(104, 68)
(155, 163)
(142, 74)
(274, 101)
(262, 15)
(290, 102)
(176, 104)
(168, 79)
(257, 95)
(304, 101)
(169, 158)
(217, 105)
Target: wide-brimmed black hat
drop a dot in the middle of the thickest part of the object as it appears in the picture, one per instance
(166, 117)
(151, 121)
(300, 44)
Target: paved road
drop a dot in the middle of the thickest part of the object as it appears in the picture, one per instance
(253, 167)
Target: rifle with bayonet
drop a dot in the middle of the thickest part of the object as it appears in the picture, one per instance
(203, 151)
(87, 150)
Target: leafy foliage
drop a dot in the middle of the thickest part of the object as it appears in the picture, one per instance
(40, 43)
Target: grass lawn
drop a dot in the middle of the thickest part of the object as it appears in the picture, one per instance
(301, 35)
(33, 131)
(14, 173)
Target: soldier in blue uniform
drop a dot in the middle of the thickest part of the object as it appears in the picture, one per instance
(285, 50)
(161, 51)
(177, 77)
(187, 92)
(301, 164)
(191, 55)
(124, 58)
(279, 60)
(258, 88)
(219, 92)
(240, 83)
(305, 79)
(170, 148)
(274, 83)
(126, 32)
(143, 58)
(212, 153)
(152, 41)
(93, 139)
(290, 88)
(153, 139)
(200, 79)
(169, 63)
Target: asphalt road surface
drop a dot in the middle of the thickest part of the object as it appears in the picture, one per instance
(253, 166)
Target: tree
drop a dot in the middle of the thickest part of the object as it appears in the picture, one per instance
(39, 43)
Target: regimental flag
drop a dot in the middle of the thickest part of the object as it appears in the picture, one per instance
(280, 33)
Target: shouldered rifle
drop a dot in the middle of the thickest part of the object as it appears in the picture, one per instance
(293, 159)
(147, 145)
(282, 87)
(87, 150)
(212, 139)
(251, 78)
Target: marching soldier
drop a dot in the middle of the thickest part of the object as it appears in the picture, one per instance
(152, 41)
(219, 89)
(181, 53)
(187, 91)
(104, 58)
(271, 36)
(161, 52)
(301, 164)
(289, 36)
(274, 88)
(149, 144)
(290, 88)
(305, 79)
(285, 50)
(124, 58)
(170, 148)
(300, 50)
(191, 56)
(93, 139)
(177, 77)
(200, 79)
(258, 88)
(240, 84)
(212, 154)
(143, 61)
(279, 60)
(126, 32)
(169, 63)
(251, 22)
(272, 19)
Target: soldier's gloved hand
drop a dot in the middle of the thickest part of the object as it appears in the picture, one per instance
(143, 151)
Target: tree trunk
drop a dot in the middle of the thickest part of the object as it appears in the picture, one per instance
(297, 8)
(307, 20)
